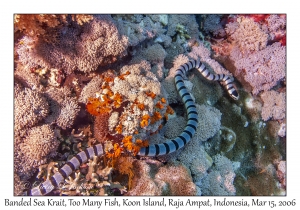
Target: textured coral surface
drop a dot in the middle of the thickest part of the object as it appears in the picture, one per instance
(81, 80)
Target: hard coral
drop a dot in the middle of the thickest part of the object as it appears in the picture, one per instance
(209, 122)
(152, 178)
(30, 107)
(64, 107)
(274, 105)
(247, 34)
(101, 127)
(262, 69)
(220, 180)
(40, 144)
(99, 43)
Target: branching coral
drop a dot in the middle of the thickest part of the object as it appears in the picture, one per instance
(97, 181)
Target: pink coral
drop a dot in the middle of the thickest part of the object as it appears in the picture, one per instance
(247, 34)
(262, 69)
(274, 105)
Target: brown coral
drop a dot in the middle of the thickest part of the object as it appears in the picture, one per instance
(101, 127)
(34, 24)
(85, 48)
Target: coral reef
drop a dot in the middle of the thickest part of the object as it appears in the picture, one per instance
(274, 105)
(220, 180)
(82, 80)
(209, 122)
(81, 48)
(63, 107)
(31, 107)
(153, 178)
(247, 34)
(262, 69)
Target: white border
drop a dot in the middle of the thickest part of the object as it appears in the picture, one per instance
(141, 7)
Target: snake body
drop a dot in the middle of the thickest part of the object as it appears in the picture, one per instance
(154, 149)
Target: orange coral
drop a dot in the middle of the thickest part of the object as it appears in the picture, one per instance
(163, 100)
(94, 106)
(150, 94)
(108, 79)
(118, 129)
(169, 110)
(122, 76)
(127, 142)
(138, 144)
(117, 100)
(141, 106)
(116, 153)
(156, 116)
(159, 105)
(117, 150)
(144, 121)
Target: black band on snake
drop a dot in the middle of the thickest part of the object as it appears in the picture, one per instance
(154, 149)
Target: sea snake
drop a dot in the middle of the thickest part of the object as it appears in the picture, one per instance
(154, 149)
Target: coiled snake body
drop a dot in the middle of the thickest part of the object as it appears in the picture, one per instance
(154, 149)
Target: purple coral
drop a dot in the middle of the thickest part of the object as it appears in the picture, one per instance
(262, 69)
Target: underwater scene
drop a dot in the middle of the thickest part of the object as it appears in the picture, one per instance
(150, 104)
